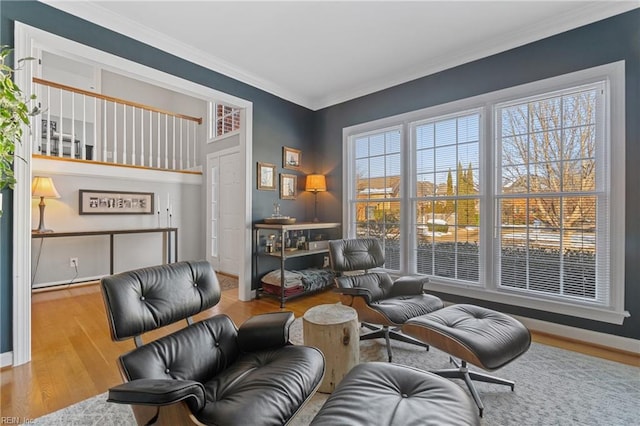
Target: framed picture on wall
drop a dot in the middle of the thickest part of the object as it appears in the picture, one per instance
(291, 158)
(115, 202)
(288, 186)
(266, 176)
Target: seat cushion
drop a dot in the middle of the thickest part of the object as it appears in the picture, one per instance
(481, 336)
(399, 309)
(263, 388)
(378, 393)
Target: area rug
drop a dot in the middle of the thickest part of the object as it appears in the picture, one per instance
(553, 387)
(227, 282)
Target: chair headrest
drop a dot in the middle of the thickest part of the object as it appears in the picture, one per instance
(149, 298)
(355, 254)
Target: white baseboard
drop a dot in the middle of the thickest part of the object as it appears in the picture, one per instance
(66, 282)
(588, 336)
(6, 359)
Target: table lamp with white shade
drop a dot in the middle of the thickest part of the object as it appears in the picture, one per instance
(43, 187)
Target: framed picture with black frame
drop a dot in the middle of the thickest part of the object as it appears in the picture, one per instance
(115, 202)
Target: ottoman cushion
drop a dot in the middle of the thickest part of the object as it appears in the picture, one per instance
(377, 393)
(478, 335)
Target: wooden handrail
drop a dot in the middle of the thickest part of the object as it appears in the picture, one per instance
(113, 99)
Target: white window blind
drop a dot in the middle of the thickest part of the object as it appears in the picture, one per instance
(553, 204)
(447, 206)
(515, 196)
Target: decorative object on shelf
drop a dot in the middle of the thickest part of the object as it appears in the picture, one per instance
(291, 158)
(266, 176)
(169, 210)
(288, 186)
(315, 184)
(278, 219)
(43, 187)
(290, 241)
(118, 202)
(282, 220)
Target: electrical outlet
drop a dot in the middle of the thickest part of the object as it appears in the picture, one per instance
(73, 262)
(325, 263)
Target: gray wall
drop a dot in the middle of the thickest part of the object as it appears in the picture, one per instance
(610, 40)
(50, 256)
(276, 122)
(319, 135)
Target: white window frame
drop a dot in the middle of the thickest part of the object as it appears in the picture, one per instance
(213, 118)
(613, 76)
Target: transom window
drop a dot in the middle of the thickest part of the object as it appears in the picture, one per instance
(512, 196)
(223, 120)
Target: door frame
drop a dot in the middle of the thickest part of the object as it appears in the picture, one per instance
(210, 156)
(26, 37)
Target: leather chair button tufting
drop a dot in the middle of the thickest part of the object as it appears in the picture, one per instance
(141, 297)
(195, 284)
(217, 344)
(404, 395)
(166, 371)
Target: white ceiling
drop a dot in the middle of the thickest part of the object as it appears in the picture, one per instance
(317, 54)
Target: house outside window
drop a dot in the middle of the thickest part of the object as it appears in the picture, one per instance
(551, 168)
(514, 196)
(223, 120)
(375, 205)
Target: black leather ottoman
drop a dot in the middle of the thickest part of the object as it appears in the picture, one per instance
(377, 393)
(474, 334)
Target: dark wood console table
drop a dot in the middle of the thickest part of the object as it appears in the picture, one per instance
(166, 240)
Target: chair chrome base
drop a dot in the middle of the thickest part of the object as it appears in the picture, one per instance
(462, 372)
(390, 334)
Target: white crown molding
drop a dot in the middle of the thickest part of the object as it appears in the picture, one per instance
(112, 21)
(586, 14)
(595, 12)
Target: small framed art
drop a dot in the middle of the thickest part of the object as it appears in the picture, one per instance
(288, 186)
(266, 176)
(291, 158)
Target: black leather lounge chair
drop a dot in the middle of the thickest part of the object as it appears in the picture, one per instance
(374, 295)
(208, 372)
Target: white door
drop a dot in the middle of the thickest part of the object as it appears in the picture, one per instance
(224, 212)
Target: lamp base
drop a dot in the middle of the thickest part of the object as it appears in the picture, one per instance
(41, 231)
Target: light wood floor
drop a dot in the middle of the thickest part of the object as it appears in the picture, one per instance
(73, 357)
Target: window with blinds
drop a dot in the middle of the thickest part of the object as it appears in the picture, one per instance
(376, 196)
(551, 196)
(447, 206)
(515, 196)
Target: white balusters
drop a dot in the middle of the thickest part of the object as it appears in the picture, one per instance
(127, 136)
